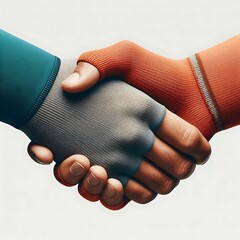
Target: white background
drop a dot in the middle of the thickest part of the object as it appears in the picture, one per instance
(32, 203)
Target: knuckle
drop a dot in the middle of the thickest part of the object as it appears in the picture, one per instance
(184, 169)
(191, 139)
(149, 109)
(126, 44)
(181, 168)
(166, 186)
(135, 136)
(143, 196)
(131, 136)
(128, 48)
(147, 197)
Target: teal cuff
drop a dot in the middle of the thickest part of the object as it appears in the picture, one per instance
(27, 73)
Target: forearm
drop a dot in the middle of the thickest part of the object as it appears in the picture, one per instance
(26, 75)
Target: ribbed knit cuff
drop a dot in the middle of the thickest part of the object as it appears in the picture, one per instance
(221, 66)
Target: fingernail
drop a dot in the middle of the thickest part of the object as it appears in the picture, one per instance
(77, 169)
(93, 180)
(110, 191)
(72, 79)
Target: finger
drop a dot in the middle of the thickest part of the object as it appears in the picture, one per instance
(155, 179)
(84, 77)
(40, 154)
(119, 206)
(168, 159)
(72, 170)
(93, 183)
(112, 195)
(139, 193)
(184, 137)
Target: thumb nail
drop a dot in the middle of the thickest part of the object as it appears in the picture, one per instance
(72, 79)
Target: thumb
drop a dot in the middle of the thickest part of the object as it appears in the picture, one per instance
(84, 77)
(112, 61)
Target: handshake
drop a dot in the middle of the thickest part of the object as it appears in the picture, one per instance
(140, 121)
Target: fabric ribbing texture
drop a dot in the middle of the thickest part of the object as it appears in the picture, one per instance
(204, 89)
(168, 81)
(112, 124)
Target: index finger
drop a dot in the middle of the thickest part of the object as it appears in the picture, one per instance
(184, 137)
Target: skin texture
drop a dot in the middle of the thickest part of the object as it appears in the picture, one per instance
(177, 148)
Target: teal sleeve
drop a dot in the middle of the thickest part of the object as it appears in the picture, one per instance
(26, 76)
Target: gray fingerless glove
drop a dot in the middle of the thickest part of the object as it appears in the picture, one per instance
(112, 124)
